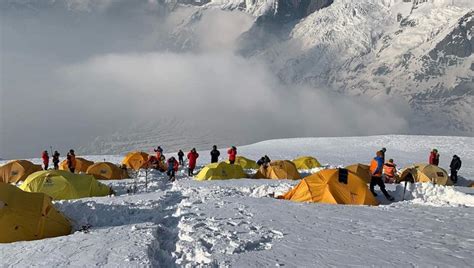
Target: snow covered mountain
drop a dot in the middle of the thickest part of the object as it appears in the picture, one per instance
(414, 52)
(421, 51)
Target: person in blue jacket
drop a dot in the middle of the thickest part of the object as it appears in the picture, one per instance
(376, 169)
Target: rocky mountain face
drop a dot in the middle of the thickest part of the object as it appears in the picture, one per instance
(420, 51)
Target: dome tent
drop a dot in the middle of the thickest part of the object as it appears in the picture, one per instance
(306, 162)
(426, 173)
(361, 170)
(135, 160)
(17, 170)
(332, 186)
(221, 171)
(28, 216)
(107, 171)
(61, 185)
(281, 169)
(244, 162)
(81, 165)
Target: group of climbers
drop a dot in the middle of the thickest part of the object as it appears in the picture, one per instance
(384, 172)
(71, 160)
(381, 172)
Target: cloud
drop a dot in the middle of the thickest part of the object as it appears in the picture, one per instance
(69, 76)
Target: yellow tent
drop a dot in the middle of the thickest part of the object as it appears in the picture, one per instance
(361, 170)
(28, 216)
(135, 160)
(81, 165)
(61, 184)
(17, 170)
(306, 162)
(220, 171)
(245, 162)
(332, 186)
(107, 171)
(281, 169)
(426, 173)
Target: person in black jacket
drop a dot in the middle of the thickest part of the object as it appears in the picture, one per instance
(455, 166)
(215, 154)
(181, 157)
(56, 160)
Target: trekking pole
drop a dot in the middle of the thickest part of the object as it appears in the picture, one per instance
(146, 179)
(404, 190)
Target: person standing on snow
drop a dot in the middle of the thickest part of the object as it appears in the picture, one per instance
(45, 157)
(56, 160)
(172, 168)
(264, 161)
(376, 167)
(215, 154)
(389, 171)
(192, 159)
(434, 157)
(455, 166)
(181, 157)
(71, 161)
(159, 152)
(232, 154)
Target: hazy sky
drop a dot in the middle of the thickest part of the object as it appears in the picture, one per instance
(75, 70)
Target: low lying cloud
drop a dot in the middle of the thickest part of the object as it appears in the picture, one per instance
(70, 77)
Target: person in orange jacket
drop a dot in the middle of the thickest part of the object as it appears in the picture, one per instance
(173, 165)
(389, 171)
(45, 157)
(232, 154)
(192, 159)
(71, 161)
(376, 168)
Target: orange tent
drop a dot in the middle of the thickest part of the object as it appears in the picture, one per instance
(81, 165)
(107, 171)
(361, 170)
(135, 160)
(332, 186)
(17, 170)
(282, 169)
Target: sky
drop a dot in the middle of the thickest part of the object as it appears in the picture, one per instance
(72, 71)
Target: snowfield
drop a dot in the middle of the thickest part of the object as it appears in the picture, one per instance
(234, 223)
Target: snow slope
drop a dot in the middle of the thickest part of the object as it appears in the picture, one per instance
(234, 223)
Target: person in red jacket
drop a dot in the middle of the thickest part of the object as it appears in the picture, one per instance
(45, 158)
(232, 154)
(173, 165)
(192, 158)
(434, 157)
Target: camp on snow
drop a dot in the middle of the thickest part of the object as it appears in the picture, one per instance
(61, 185)
(244, 162)
(81, 165)
(281, 169)
(426, 173)
(107, 171)
(135, 160)
(28, 216)
(17, 170)
(306, 162)
(332, 186)
(221, 171)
